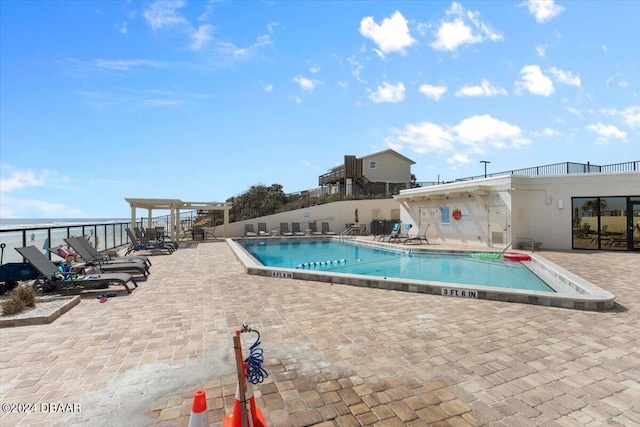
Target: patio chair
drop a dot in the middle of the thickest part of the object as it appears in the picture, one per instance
(86, 250)
(326, 229)
(138, 244)
(395, 232)
(314, 229)
(420, 236)
(125, 266)
(284, 229)
(262, 229)
(295, 229)
(249, 231)
(144, 238)
(50, 277)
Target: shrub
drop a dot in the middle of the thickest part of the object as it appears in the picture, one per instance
(25, 293)
(12, 305)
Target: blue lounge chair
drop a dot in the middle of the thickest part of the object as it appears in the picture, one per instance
(395, 232)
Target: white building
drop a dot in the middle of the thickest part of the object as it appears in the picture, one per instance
(568, 211)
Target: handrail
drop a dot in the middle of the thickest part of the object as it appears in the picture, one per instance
(346, 232)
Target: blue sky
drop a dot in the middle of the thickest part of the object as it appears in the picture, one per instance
(196, 100)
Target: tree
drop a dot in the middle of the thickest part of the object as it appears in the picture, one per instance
(258, 200)
(594, 207)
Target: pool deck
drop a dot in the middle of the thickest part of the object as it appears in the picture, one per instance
(336, 355)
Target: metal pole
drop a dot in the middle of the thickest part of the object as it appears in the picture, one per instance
(242, 385)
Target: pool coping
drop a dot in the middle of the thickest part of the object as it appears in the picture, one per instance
(571, 290)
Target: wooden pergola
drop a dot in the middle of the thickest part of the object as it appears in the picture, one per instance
(174, 206)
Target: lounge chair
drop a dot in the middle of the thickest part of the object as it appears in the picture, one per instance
(395, 232)
(284, 229)
(86, 250)
(314, 229)
(126, 266)
(141, 244)
(420, 236)
(248, 230)
(151, 238)
(262, 229)
(50, 276)
(295, 229)
(326, 229)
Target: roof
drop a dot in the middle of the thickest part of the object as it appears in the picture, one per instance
(175, 204)
(389, 150)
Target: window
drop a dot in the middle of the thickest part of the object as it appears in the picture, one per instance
(445, 213)
(372, 164)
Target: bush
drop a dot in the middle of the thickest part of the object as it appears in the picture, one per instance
(25, 293)
(12, 305)
(22, 296)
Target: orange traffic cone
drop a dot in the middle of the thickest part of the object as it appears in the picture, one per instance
(198, 416)
(255, 417)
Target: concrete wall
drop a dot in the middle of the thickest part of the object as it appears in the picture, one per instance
(337, 214)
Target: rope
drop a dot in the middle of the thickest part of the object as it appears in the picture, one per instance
(254, 372)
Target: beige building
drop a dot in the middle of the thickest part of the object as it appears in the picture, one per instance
(571, 211)
(384, 172)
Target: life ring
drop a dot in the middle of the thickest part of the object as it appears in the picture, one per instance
(515, 256)
(456, 214)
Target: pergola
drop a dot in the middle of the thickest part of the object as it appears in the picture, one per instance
(174, 206)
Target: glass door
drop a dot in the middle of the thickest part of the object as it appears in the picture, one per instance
(633, 224)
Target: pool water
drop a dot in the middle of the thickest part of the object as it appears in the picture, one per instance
(343, 257)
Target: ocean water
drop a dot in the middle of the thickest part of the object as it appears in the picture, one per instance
(37, 232)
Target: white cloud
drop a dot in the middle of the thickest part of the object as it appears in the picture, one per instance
(543, 10)
(268, 88)
(356, 67)
(565, 77)
(296, 99)
(22, 179)
(542, 50)
(534, 81)
(201, 37)
(550, 132)
(126, 65)
(315, 69)
(479, 131)
(465, 28)
(391, 36)
(229, 48)
(433, 92)
(122, 29)
(606, 132)
(305, 83)
(630, 115)
(388, 93)
(605, 48)
(32, 208)
(484, 89)
(474, 135)
(164, 13)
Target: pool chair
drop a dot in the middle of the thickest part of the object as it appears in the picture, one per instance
(395, 232)
(197, 231)
(131, 266)
(295, 229)
(52, 279)
(262, 229)
(86, 250)
(314, 229)
(150, 236)
(141, 244)
(420, 237)
(326, 229)
(284, 229)
(248, 230)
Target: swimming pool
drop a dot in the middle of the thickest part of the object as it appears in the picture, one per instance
(348, 258)
(386, 266)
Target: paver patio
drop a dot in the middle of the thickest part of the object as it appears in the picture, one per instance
(336, 355)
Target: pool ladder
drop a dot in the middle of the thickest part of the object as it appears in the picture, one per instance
(528, 239)
(347, 233)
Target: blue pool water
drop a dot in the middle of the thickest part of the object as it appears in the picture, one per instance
(339, 257)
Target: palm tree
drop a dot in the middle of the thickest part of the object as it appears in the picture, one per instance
(594, 207)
